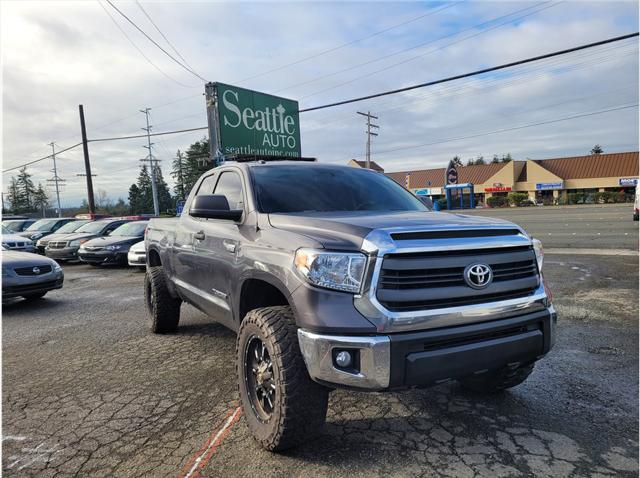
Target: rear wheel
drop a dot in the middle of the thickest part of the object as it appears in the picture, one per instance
(162, 307)
(283, 406)
(495, 382)
(35, 296)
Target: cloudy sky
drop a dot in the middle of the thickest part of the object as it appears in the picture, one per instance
(57, 55)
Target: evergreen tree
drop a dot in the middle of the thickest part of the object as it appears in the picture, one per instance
(507, 158)
(456, 160)
(480, 160)
(597, 149)
(495, 159)
(40, 199)
(134, 199)
(178, 174)
(14, 196)
(165, 201)
(26, 190)
(197, 162)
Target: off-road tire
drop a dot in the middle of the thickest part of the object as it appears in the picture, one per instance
(163, 309)
(300, 405)
(495, 382)
(36, 296)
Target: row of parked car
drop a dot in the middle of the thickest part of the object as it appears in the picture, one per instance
(25, 273)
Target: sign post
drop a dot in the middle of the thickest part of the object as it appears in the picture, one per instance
(249, 123)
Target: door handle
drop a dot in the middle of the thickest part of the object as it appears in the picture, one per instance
(230, 246)
(199, 236)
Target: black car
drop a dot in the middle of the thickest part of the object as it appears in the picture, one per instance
(113, 249)
(44, 227)
(66, 248)
(18, 225)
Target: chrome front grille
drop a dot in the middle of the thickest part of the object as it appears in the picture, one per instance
(435, 279)
(57, 244)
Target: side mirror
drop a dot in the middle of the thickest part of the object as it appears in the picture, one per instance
(214, 206)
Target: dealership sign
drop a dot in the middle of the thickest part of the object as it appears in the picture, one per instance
(451, 174)
(246, 122)
(428, 191)
(497, 189)
(628, 181)
(542, 186)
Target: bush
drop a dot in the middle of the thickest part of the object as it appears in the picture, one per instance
(497, 201)
(575, 198)
(517, 199)
(442, 204)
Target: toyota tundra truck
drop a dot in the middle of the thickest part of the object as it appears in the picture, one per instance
(338, 277)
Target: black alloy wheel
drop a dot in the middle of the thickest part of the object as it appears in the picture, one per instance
(259, 378)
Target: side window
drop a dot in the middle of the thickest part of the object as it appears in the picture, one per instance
(112, 227)
(208, 184)
(230, 186)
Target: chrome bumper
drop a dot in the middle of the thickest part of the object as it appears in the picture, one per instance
(375, 359)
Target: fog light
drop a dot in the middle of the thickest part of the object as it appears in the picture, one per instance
(343, 359)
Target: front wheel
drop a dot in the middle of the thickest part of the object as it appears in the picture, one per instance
(282, 405)
(495, 382)
(162, 307)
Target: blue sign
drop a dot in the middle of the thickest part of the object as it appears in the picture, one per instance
(541, 186)
(628, 181)
(422, 192)
(179, 207)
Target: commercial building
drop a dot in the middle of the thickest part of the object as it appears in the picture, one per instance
(545, 180)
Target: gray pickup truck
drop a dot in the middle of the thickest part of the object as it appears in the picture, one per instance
(338, 277)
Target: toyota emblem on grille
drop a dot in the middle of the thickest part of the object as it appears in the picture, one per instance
(36, 270)
(478, 275)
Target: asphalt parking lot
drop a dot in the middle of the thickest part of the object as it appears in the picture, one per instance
(88, 391)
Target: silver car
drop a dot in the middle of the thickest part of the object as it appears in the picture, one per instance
(29, 275)
(137, 255)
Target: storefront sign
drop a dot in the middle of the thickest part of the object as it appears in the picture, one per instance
(428, 192)
(628, 181)
(542, 186)
(451, 173)
(500, 189)
(246, 122)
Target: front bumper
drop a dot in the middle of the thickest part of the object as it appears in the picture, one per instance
(136, 260)
(64, 254)
(103, 257)
(23, 285)
(427, 357)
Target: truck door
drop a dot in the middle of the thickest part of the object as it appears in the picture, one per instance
(184, 259)
(216, 245)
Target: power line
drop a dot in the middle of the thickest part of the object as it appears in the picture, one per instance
(514, 128)
(443, 47)
(41, 159)
(162, 34)
(116, 138)
(473, 73)
(419, 45)
(140, 51)
(155, 43)
(353, 42)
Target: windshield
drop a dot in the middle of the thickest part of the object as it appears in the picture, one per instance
(93, 227)
(13, 225)
(71, 226)
(131, 229)
(42, 225)
(6, 231)
(289, 189)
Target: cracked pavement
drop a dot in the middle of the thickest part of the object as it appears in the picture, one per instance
(87, 391)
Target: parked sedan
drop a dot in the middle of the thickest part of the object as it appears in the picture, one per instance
(62, 233)
(44, 227)
(137, 256)
(18, 225)
(14, 242)
(29, 275)
(66, 248)
(113, 249)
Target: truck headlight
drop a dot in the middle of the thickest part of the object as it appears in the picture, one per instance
(334, 270)
(537, 247)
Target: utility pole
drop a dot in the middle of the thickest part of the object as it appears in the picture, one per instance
(56, 179)
(87, 164)
(369, 134)
(152, 161)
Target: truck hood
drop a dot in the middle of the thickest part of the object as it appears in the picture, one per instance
(346, 230)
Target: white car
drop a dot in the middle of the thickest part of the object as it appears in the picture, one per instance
(14, 242)
(137, 256)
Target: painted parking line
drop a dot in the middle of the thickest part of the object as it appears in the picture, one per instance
(195, 465)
